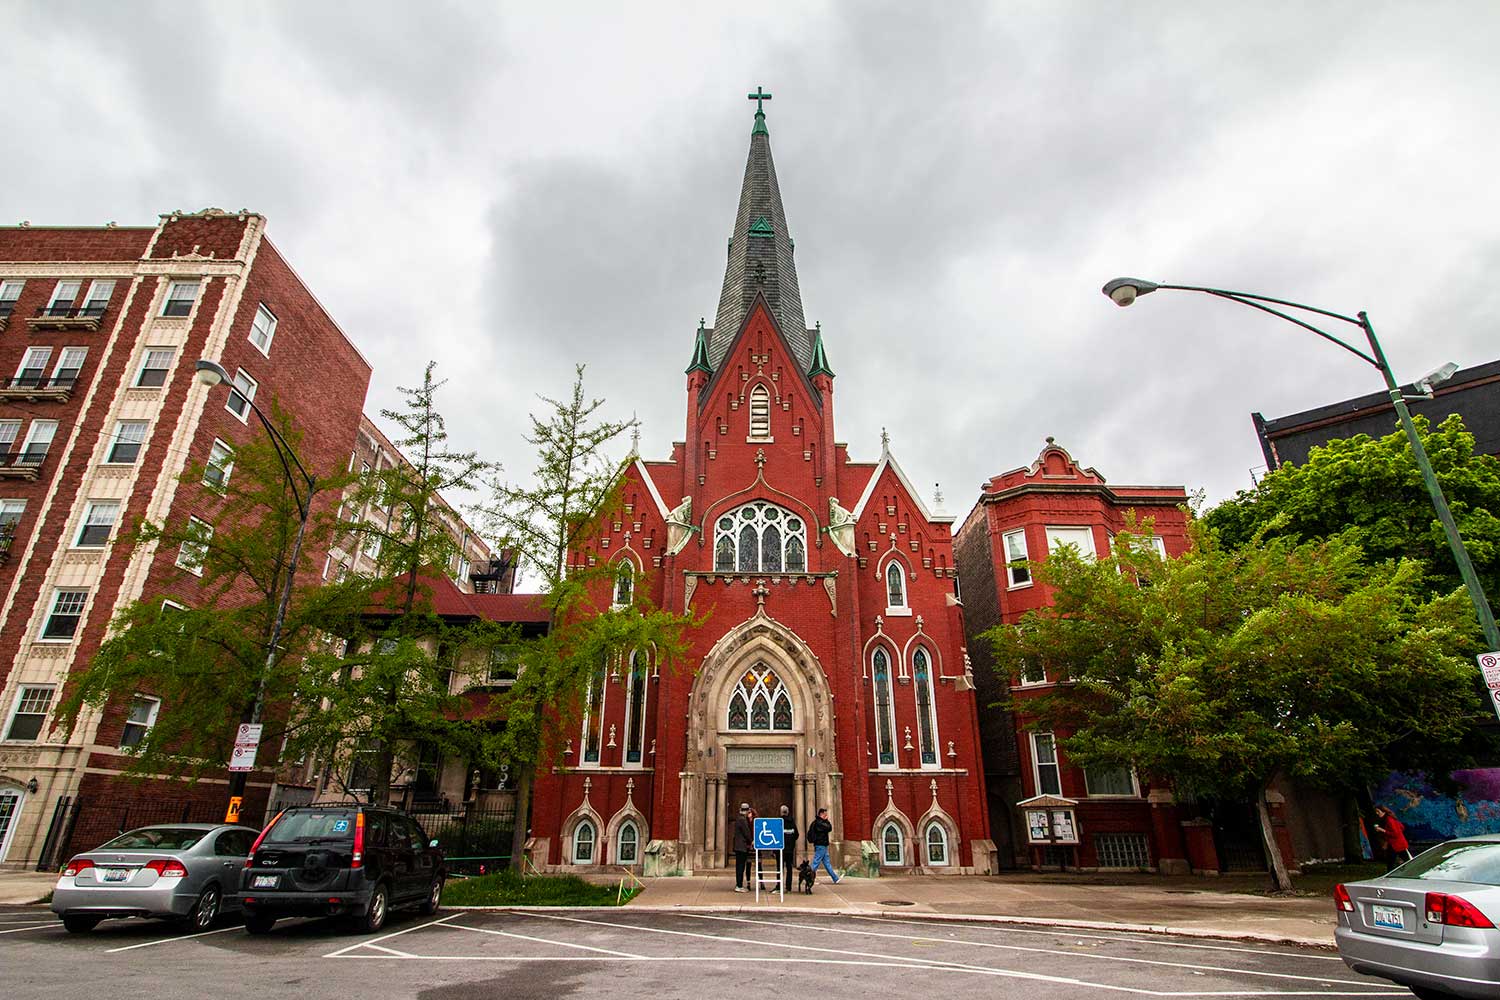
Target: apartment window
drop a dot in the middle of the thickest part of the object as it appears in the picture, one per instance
(69, 365)
(262, 329)
(1017, 572)
(125, 446)
(38, 441)
(10, 291)
(30, 713)
(1105, 780)
(241, 393)
(67, 610)
(220, 464)
(33, 370)
(154, 367)
(180, 298)
(194, 548)
(139, 721)
(1081, 539)
(10, 516)
(9, 431)
(1044, 764)
(372, 546)
(760, 413)
(462, 573)
(1032, 672)
(98, 522)
(63, 294)
(97, 300)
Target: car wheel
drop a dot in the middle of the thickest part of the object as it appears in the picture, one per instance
(257, 923)
(374, 916)
(206, 910)
(434, 898)
(80, 925)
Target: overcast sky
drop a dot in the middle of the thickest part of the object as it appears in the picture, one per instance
(511, 189)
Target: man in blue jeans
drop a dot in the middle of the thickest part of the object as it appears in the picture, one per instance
(817, 836)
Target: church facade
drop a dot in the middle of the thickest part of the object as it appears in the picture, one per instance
(829, 669)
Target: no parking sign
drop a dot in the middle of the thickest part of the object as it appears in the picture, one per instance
(1489, 665)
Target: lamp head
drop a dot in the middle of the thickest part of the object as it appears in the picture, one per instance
(1437, 376)
(1124, 291)
(210, 373)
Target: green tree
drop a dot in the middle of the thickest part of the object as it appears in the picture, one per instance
(204, 654)
(1221, 669)
(554, 516)
(392, 688)
(1369, 491)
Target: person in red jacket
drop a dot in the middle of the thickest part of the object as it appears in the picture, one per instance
(1393, 836)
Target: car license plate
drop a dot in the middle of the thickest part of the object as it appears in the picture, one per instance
(116, 874)
(265, 881)
(1389, 917)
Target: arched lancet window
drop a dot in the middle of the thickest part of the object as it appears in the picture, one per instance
(893, 850)
(624, 583)
(635, 708)
(895, 585)
(885, 725)
(926, 719)
(760, 702)
(760, 538)
(627, 842)
(593, 716)
(760, 413)
(937, 844)
(583, 843)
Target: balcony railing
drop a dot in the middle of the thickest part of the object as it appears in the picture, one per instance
(6, 308)
(488, 575)
(7, 535)
(68, 317)
(36, 388)
(22, 464)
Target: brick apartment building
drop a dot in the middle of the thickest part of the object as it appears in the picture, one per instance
(99, 417)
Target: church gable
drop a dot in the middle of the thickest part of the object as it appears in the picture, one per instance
(893, 524)
(759, 353)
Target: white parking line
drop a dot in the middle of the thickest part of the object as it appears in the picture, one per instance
(391, 951)
(525, 937)
(1044, 951)
(1096, 936)
(387, 937)
(31, 927)
(169, 940)
(938, 965)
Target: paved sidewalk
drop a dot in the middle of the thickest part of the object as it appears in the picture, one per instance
(1170, 905)
(25, 887)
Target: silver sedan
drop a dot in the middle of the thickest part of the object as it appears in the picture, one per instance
(1430, 924)
(181, 871)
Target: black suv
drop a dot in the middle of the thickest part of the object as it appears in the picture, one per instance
(340, 860)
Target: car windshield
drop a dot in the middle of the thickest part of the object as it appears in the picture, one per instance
(155, 838)
(1458, 861)
(313, 824)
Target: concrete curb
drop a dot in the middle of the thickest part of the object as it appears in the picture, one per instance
(1217, 934)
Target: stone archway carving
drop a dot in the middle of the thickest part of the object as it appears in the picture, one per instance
(760, 639)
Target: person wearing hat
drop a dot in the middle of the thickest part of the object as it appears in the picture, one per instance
(742, 841)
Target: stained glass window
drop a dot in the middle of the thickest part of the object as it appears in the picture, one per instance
(760, 538)
(885, 732)
(894, 853)
(760, 702)
(895, 585)
(925, 722)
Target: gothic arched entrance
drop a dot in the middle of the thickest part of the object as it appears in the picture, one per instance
(760, 731)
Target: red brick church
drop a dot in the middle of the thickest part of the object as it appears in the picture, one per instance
(830, 669)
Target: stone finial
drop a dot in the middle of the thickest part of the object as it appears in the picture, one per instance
(951, 753)
(908, 745)
(611, 742)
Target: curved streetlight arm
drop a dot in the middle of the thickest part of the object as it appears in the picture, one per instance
(284, 452)
(1255, 302)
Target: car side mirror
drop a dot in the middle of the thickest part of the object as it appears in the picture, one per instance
(432, 842)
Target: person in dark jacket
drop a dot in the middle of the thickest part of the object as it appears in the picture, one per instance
(817, 837)
(741, 846)
(789, 844)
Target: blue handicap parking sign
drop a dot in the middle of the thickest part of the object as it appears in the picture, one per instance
(768, 833)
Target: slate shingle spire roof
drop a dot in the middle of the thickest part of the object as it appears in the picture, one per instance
(760, 258)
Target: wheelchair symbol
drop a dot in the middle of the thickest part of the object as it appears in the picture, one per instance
(768, 837)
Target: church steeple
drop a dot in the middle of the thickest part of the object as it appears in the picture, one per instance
(760, 255)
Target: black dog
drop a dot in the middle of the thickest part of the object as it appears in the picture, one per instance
(805, 876)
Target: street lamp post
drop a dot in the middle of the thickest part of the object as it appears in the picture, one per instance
(211, 374)
(1124, 291)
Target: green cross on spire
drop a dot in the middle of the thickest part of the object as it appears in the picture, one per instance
(759, 96)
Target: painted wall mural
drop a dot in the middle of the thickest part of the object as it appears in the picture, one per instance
(1430, 815)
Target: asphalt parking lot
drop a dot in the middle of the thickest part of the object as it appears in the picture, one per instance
(462, 954)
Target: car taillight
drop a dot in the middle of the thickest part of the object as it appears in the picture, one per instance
(1341, 898)
(358, 860)
(256, 846)
(167, 868)
(1454, 911)
(77, 865)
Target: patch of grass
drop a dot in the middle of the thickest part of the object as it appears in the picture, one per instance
(509, 889)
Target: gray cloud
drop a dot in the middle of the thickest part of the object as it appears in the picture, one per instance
(511, 190)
